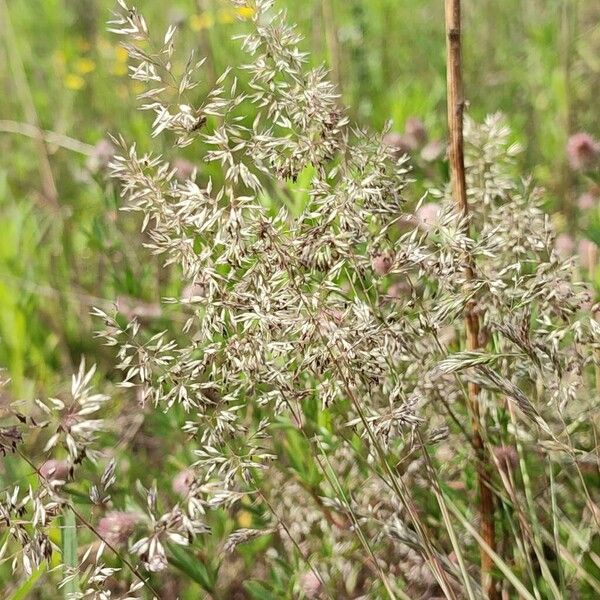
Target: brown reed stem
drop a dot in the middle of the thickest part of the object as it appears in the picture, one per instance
(459, 189)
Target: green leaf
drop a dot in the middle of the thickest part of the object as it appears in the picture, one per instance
(298, 453)
(22, 592)
(258, 591)
(193, 567)
(592, 228)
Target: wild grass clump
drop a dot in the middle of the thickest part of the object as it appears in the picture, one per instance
(317, 431)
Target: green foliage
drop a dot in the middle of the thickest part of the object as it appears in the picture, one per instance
(536, 61)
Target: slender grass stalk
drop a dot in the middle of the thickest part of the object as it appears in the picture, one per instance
(26, 99)
(556, 528)
(396, 484)
(495, 558)
(331, 37)
(50, 137)
(447, 521)
(70, 508)
(69, 553)
(457, 169)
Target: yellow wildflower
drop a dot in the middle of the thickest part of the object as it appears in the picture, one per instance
(201, 21)
(83, 66)
(74, 82)
(244, 518)
(119, 69)
(121, 54)
(225, 15)
(245, 12)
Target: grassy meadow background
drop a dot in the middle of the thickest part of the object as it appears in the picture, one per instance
(64, 245)
(536, 61)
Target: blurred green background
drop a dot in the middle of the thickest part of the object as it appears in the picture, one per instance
(62, 247)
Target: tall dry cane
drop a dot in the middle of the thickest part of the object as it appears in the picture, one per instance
(459, 188)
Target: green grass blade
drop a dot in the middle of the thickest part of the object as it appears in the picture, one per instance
(69, 552)
(197, 571)
(26, 587)
(504, 568)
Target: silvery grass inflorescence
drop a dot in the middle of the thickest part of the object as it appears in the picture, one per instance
(328, 319)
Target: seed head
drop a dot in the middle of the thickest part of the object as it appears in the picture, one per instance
(564, 245)
(432, 151)
(310, 584)
(382, 263)
(56, 470)
(586, 201)
(117, 526)
(400, 143)
(182, 482)
(428, 215)
(415, 128)
(507, 457)
(582, 151)
(588, 254)
(184, 169)
(101, 156)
